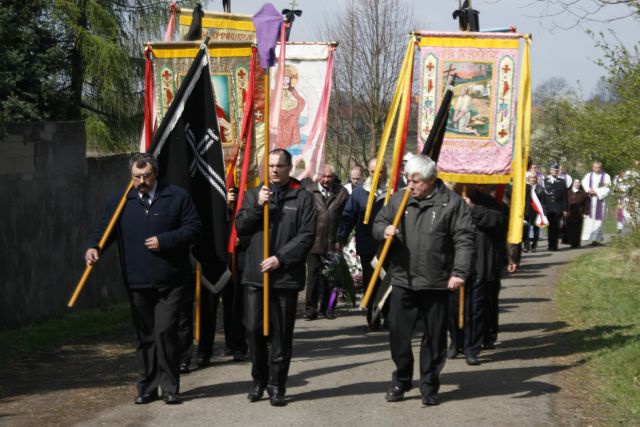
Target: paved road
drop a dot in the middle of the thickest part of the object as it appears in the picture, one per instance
(340, 373)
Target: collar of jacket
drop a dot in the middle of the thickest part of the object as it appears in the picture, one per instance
(314, 188)
(292, 188)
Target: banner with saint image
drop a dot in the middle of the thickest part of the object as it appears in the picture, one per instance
(481, 130)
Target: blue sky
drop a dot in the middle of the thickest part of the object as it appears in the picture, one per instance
(555, 52)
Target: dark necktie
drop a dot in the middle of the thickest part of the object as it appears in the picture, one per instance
(146, 199)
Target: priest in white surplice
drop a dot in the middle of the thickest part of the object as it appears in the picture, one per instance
(597, 184)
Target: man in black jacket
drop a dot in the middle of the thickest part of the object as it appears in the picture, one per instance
(330, 199)
(158, 225)
(353, 216)
(482, 289)
(432, 255)
(555, 204)
(292, 225)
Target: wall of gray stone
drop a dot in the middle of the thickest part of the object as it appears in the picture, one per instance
(51, 196)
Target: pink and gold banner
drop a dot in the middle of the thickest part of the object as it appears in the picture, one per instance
(481, 130)
(304, 105)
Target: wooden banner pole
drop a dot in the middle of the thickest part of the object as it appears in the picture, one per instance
(461, 296)
(385, 249)
(101, 244)
(198, 301)
(265, 241)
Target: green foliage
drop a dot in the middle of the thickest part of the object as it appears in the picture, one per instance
(31, 85)
(576, 132)
(599, 296)
(79, 59)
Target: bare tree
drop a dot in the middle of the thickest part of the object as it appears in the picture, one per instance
(373, 36)
(566, 14)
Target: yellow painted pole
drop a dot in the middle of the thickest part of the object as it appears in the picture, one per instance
(385, 249)
(265, 240)
(388, 125)
(103, 241)
(397, 144)
(198, 301)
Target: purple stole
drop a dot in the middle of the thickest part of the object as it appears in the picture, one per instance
(599, 203)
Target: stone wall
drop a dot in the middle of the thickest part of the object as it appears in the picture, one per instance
(51, 196)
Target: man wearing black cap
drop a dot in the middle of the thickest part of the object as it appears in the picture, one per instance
(555, 204)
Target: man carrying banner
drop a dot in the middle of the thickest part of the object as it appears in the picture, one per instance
(432, 254)
(353, 216)
(157, 226)
(292, 228)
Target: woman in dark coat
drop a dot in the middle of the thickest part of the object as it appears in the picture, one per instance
(578, 201)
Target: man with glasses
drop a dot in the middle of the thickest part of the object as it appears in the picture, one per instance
(292, 227)
(155, 230)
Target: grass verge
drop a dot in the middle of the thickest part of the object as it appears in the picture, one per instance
(599, 296)
(74, 327)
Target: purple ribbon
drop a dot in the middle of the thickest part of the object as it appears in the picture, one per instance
(599, 203)
(267, 22)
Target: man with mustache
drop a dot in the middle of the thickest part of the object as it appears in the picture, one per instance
(155, 230)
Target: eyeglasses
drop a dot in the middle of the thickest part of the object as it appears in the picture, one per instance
(142, 177)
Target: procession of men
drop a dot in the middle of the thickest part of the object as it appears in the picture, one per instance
(449, 236)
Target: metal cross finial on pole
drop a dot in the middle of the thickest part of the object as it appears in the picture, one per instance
(290, 16)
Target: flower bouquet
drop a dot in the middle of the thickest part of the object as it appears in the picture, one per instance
(338, 275)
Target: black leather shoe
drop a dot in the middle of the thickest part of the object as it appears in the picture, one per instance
(255, 393)
(146, 398)
(489, 345)
(185, 367)
(452, 353)
(239, 356)
(395, 394)
(204, 361)
(276, 396)
(431, 400)
(171, 398)
(312, 316)
(472, 360)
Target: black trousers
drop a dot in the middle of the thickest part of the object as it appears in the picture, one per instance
(316, 286)
(367, 272)
(270, 366)
(208, 321)
(528, 242)
(492, 318)
(471, 337)
(185, 326)
(232, 315)
(406, 306)
(155, 313)
(554, 228)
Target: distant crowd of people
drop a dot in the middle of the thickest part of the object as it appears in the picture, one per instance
(574, 210)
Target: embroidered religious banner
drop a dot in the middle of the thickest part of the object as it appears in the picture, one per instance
(481, 129)
(229, 67)
(220, 26)
(306, 90)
